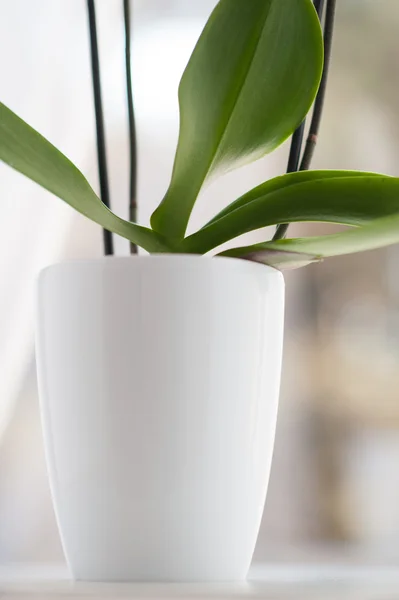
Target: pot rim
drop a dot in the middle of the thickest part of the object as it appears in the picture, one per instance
(157, 257)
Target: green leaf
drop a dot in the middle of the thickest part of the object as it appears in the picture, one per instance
(293, 253)
(249, 83)
(277, 183)
(26, 151)
(346, 197)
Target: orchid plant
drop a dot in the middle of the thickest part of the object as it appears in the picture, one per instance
(249, 84)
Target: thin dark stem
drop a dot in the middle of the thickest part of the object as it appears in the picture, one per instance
(132, 125)
(101, 149)
(296, 148)
(319, 5)
(294, 163)
(297, 138)
(293, 166)
(319, 103)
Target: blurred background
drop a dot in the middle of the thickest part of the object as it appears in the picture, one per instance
(334, 488)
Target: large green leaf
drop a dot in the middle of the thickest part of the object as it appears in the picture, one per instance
(293, 253)
(25, 150)
(250, 81)
(350, 198)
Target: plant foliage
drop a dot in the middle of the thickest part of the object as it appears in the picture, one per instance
(249, 83)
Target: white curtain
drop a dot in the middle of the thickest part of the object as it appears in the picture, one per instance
(34, 227)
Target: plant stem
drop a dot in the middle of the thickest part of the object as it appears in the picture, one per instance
(292, 167)
(296, 148)
(319, 103)
(132, 126)
(293, 161)
(100, 131)
(319, 6)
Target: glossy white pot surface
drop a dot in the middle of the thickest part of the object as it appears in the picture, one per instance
(159, 380)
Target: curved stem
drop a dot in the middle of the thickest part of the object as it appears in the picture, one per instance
(100, 130)
(132, 125)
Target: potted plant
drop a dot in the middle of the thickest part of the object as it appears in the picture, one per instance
(159, 374)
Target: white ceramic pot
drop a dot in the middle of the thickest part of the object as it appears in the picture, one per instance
(159, 380)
